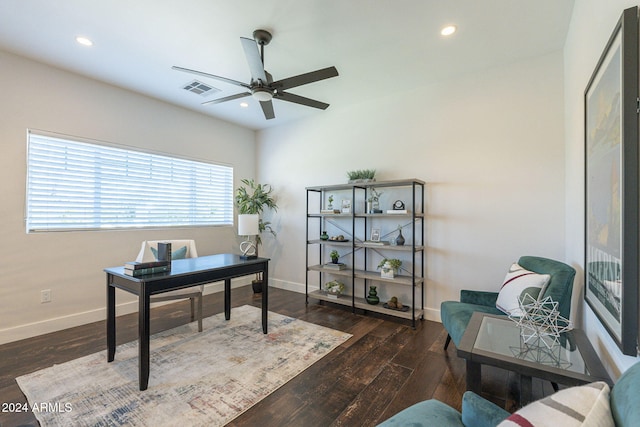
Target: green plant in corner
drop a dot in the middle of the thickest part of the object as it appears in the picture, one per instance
(254, 198)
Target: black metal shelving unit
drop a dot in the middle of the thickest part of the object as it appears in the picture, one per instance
(356, 225)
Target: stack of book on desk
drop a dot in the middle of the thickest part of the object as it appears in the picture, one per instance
(162, 265)
(136, 269)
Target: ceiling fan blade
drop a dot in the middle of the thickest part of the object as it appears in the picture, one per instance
(227, 98)
(254, 59)
(303, 79)
(267, 109)
(286, 96)
(200, 73)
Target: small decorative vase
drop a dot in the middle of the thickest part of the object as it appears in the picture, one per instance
(400, 239)
(372, 298)
(324, 236)
(334, 260)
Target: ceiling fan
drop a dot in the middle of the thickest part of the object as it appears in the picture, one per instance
(262, 87)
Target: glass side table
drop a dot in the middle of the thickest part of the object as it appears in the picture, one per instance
(496, 341)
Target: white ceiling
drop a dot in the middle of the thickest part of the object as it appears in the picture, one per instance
(378, 46)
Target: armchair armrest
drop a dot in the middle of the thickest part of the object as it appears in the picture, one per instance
(479, 412)
(479, 297)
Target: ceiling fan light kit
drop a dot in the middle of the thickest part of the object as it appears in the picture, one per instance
(262, 87)
(262, 94)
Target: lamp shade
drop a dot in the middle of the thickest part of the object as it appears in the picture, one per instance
(248, 224)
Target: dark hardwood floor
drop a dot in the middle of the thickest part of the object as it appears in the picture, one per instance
(385, 367)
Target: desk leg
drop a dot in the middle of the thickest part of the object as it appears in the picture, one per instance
(265, 297)
(227, 299)
(143, 336)
(525, 390)
(111, 320)
(474, 374)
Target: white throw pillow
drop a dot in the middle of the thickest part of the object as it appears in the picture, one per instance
(518, 282)
(586, 405)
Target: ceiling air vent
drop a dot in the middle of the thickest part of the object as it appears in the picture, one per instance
(200, 88)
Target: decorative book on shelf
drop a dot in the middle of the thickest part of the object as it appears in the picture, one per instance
(335, 266)
(377, 242)
(330, 211)
(398, 211)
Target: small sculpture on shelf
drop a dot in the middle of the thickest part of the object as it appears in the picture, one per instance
(373, 202)
(373, 298)
(338, 238)
(394, 304)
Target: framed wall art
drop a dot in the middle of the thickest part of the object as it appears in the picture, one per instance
(611, 185)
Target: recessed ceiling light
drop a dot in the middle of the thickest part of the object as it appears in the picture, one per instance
(448, 30)
(244, 104)
(84, 41)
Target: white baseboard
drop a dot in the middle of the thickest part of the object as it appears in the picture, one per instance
(30, 330)
(55, 324)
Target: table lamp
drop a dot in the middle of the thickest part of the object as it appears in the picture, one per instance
(248, 226)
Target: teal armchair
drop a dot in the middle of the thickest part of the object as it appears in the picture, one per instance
(624, 401)
(455, 315)
(476, 412)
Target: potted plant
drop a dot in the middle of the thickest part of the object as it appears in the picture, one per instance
(254, 198)
(330, 202)
(334, 288)
(365, 175)
(334, 255)
(389, 267)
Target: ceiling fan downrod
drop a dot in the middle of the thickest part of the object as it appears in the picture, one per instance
(262, 37)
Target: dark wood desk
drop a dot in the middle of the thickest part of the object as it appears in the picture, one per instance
(495, 341)
(184, 273)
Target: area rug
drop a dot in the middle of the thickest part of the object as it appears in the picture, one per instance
(196, 379)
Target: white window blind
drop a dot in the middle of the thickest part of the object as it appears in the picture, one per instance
(74, 185)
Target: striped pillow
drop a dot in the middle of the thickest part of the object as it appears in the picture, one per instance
(518, 282)
(587, 405)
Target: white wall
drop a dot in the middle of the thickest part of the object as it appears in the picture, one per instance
(33, 95)
(591, 26)
(489, 145)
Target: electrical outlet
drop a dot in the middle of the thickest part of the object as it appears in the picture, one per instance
(45, 295)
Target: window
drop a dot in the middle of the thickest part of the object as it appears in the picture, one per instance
(73, 185)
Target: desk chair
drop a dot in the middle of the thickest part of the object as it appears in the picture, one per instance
(179, 249)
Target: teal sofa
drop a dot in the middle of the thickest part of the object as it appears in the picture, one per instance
(624, 402)
(455, 315)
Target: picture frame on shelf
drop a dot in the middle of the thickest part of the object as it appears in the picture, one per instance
(346, 206)
(612, 202)
(375, 235)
